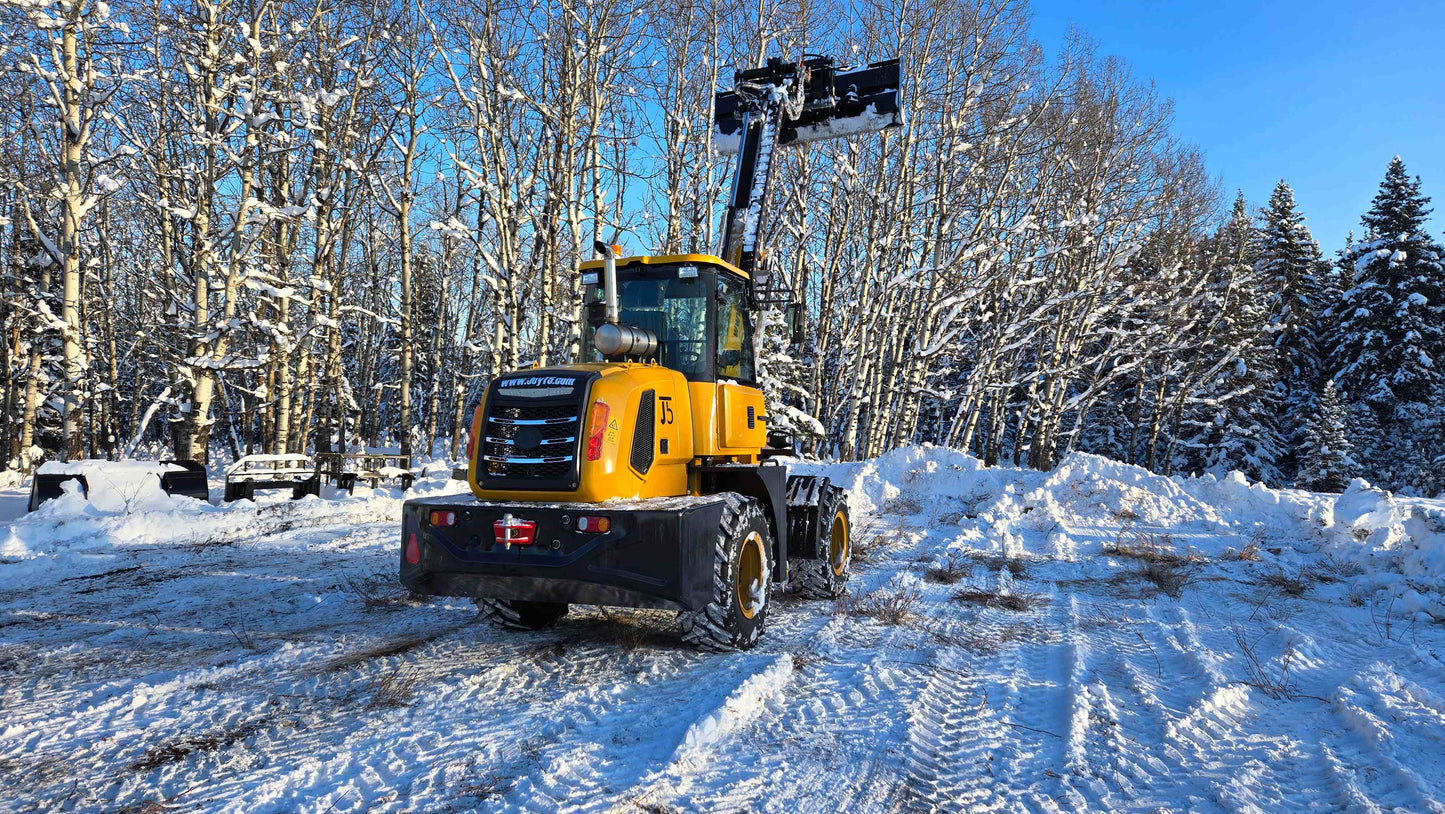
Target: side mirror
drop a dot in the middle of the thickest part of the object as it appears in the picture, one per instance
(795, 315)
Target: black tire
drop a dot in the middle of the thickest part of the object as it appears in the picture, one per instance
(743, 543)
(519, 615)
(827, 577)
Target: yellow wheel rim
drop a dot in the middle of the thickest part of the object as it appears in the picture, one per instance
(838, 545)
(749, 582)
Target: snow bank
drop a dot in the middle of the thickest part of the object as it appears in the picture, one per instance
(924, 472)
(1021, 512)
(1094, 488)
(130, 509)
(1373, 529)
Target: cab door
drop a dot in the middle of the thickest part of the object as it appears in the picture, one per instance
(741, 425)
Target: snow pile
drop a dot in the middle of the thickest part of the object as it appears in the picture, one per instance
(1093, 488)
(1065, 507)
(926, 473)
(1375, 530)
(1065, 512)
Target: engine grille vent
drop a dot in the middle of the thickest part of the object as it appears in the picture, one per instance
(643, 439)
(530, 445)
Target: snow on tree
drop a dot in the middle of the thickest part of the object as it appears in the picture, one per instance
(311, 225)
(1240, 431)
(1297, 281)
(1390, 342)
(1325, 461)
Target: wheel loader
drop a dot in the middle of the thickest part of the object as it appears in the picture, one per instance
(645, 475)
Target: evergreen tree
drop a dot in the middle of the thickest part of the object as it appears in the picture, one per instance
(1297, 279)
(1325, 462)
(1390, 349)
(782, 379)
(1344, 271)
(1240, 429)
(1393, 316)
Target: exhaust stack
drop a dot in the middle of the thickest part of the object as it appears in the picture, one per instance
(613, 338)
(609, 279)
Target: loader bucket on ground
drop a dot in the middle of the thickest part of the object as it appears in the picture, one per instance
(48, 487)
(189, 480)
(837, 102)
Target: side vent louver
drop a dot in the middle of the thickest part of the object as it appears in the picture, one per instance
(643, 435)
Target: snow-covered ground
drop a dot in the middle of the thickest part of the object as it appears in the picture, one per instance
(1094, 638)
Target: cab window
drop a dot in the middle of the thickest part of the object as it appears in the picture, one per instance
(673, 308)
(734, 331)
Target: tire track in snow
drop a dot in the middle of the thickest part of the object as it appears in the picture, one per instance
(1358, 745)
(844, 707)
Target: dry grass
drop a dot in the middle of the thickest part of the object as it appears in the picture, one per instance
(179, 749)
(1160, 562)
(1018, 603)
(161, 805)
(985, 640)
(1250, 552)
(487, 786)
(950, 573)
(1098, 616)
(635, 629)
(394, 689)
(1150, 547)
(1169, 577)
(1017, 568)
(394, 648)
(244, 637)
(807, 658)
(866, 548)
(891, 606)
(654, 808)
(1278, 682)
(1289, 585)
(382, 593)
(1300, 582)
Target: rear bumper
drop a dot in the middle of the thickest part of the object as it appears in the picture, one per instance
(658, 553)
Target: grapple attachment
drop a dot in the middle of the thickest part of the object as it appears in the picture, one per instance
(819, 100)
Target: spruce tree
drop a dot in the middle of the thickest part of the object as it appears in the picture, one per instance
(1344, 271)
(1325, 462)
(1296, 278)
(1239, 431)
(1390, 346)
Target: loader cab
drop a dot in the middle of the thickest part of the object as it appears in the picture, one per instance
(696, 306)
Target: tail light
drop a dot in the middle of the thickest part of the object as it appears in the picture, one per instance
(594, 524)
(511, 531)
(476, 433)
(441, 518)
(413, 550)
(595, 428)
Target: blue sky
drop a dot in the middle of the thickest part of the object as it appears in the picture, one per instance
(1320, 93)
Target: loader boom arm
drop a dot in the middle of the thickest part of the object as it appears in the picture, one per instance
(780, 104)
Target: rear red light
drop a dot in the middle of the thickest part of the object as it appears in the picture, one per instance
(510, 531)
(593, 524)
(413, 550)
(595, 428)
(476, 431)
(443, 518)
